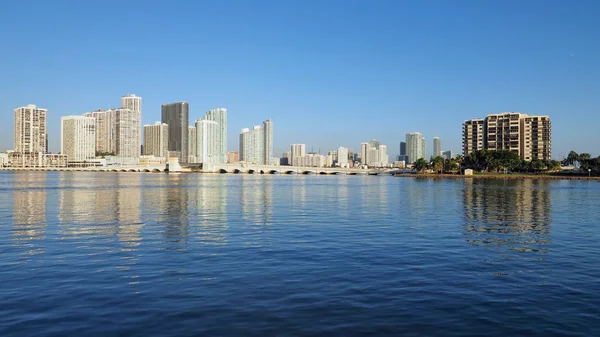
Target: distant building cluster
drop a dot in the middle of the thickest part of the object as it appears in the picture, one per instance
(256, 145)
(527, 136)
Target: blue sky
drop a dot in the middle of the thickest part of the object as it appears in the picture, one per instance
(327, 72)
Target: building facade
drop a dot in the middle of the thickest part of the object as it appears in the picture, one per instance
(193, 145)
(207, 142)
(176, 115)
(416, 147)
(30, 130)
(233, 157)
(78, 138)
(527, 136)
(132, 102)
(448, 154)
(437, 147)
(219, 135)
(473, 136)
(105, 130)
(256, 145)
(156, 140)
(296, 151)
(127, 135)
(342, 157)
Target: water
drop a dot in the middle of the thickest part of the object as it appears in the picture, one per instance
(130, 254)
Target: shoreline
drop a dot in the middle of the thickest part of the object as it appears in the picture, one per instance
(496, 176)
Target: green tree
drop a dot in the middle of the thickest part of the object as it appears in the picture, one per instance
(438, 164)
(420, 165)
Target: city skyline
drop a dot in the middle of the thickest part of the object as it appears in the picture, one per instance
(296, 75)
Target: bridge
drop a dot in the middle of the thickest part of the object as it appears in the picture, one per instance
(131, 168)
(272, 169)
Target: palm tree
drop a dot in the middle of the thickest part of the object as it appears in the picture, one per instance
(420, 165)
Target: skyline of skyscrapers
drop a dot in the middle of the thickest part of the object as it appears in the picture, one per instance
(176, 115)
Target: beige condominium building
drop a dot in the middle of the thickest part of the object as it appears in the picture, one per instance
(30, 130)
(156, 140)
(78, 138)
(527, 136)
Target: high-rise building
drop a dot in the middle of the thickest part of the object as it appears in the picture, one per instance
(233, 157)
(535, 138)
(105, 130)
(192, 146)
(30, 130)
(342, 157)
(207, 141)
(448, 154)
(437, 147)
(297, 151)
(382, 155)
(176, 115)
(156, 140)
(374, 154)
(256, 145)
(473, 136)
(132, 102)
(127, 136)
(415, 147)
(402, 155)
(527, 136)
(364, 153)
(220, 134)
(78, 138)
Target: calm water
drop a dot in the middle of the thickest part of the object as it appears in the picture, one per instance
(130, 254)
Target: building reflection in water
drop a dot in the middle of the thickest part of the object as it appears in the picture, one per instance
(514, 214)
(174, 214)
(208, 209)
(29, 211)
(256, 197)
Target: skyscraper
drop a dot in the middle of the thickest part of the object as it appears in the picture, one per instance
(207, 141)
(78, 138)
(176, 115)
(30, 130)
(256, 145)
(415, 147)
(503, 131)
(127, 135)
(192, 147)
(105, 130)
(132, 102)
(364, 153)
(219, 115)
(342, 156)
(437, 147)
(297, 151)
(535, 138)
(156, 140)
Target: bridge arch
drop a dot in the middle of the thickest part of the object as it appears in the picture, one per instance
(222, 171)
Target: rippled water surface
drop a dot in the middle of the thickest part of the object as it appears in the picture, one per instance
(130, 254)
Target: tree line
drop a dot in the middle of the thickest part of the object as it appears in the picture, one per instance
(583, 161)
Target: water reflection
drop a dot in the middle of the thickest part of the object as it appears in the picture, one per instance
(208, 205)
(29, 212)
(515, 214)
(256, 198)
(174, 214)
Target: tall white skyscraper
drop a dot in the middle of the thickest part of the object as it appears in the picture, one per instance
(382, 155)
(342, 156)
(374, 154)
(256, 145)
(192, 145)
(297, 151)
(131, 102)
(207, 149)
(156, 140)
(78, 137)
(127, 132)
(219, 141)
(437, 147)
(415, 147)
(30, 130)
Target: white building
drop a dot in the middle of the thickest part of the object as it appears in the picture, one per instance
(415, 147)
(30, 130)
(78, 138)
(3, 159)
(297, 151)
(218, 135)
(193, 154)
(437, 147)
(156, 140)
(131, 102)
(207, 141)
(256, 145)
(342, 157)
(374, 154)
(127, 132)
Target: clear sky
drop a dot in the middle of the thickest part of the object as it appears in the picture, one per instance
(327, 72)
